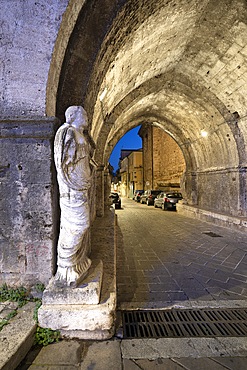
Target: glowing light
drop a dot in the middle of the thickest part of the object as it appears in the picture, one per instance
(103, 94)
(204, 133)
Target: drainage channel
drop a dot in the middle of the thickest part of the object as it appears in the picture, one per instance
(185, 323)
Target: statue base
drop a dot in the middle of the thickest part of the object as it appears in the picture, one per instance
(86, 292)
(87, 311)
(77, 312)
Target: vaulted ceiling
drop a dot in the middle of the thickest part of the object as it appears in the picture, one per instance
(179, 64)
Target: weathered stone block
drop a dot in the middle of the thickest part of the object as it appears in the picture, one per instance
(80, 321)
(29, 201)
(88, 292)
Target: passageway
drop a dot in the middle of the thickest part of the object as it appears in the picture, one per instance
(164, 258)
(178, 65)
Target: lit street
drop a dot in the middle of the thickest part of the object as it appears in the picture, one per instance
(164, 257)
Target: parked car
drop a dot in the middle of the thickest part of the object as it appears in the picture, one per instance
(137, 195)
(167, 200)
(148, 196)
(116, 200)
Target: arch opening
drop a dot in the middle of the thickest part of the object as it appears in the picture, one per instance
(146, 79)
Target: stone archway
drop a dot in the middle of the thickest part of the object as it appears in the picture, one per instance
(156, 63)
(182, 64)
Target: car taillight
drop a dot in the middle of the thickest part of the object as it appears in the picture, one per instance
(166, 200)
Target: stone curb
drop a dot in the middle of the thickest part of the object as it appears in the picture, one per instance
(234, 222)
(17, 337)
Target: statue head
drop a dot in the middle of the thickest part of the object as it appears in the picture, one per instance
(77, 117)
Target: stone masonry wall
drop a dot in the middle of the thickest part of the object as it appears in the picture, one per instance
(168, 160)
(27, 36)
(28, 201)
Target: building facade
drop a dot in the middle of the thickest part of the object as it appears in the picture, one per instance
(163, 161)
(131, 172)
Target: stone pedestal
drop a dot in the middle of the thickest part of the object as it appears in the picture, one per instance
(88, 292)
(80, 321)
(88, 311)
(78, 312)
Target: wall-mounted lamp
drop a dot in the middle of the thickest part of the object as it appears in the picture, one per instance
(103, 94)
(204, 133)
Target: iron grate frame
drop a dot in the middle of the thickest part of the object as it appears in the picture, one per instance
(184, 323)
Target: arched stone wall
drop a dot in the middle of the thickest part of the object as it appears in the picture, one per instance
(28, 34)
(181, 64)
(158, 56)
(206, 158)
(194, 83)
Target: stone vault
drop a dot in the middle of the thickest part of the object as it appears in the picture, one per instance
(181, 65)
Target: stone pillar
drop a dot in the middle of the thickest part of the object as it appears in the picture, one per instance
(188, 186)
(100, 191)
(243, 191)
(107, 187)
(29, 201)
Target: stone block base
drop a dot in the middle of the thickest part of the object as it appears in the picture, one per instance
(88, 292)
(88, 311)
(77, 312)
(80, 321)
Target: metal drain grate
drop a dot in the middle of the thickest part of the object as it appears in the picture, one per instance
(210, 233)
(185, 323)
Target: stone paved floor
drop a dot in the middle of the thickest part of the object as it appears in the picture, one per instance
(166, 257)
(160, 263)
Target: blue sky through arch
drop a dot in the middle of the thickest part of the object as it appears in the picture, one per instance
(131, 140)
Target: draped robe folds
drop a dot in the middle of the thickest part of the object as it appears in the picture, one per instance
(71, 154)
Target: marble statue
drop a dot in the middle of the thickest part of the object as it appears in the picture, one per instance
(72, 160)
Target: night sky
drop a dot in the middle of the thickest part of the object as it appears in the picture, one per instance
(131, 140)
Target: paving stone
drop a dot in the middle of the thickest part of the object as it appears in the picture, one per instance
(17, 337)
(103, 356)
(177, 296)
(130, 365)
(199, 363)
(232, 363)
(241, 270)
(143, 287)
(170, 286)
(188, 283)
(125, 298)
(221, 276)
(61, 353)
(160, 364)
(241, 278)
(197, 294)
(227, 295)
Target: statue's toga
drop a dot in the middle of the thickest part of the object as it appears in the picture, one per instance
(72, 160)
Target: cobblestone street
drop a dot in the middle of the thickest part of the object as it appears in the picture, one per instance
(164, 258)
